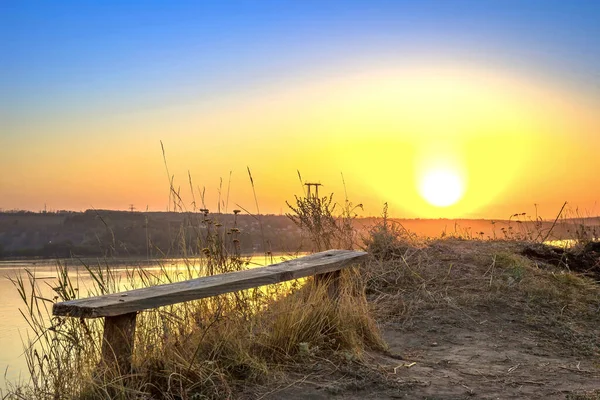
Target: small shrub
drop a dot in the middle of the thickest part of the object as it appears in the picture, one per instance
(388, 239)
(326, 228)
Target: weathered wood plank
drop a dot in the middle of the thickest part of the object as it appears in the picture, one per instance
(162, 295)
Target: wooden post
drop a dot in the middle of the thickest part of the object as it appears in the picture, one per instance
(117, 342)
(332, 282)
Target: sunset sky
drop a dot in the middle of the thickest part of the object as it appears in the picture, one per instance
(475, 109)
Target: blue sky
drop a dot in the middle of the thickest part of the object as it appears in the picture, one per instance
(74, 52)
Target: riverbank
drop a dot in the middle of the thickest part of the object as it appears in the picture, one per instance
(466, 319)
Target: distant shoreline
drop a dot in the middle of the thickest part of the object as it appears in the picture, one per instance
(111, 235)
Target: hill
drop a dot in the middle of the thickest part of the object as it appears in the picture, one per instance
(100, 233)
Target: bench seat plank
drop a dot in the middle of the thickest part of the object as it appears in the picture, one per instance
(156, 296)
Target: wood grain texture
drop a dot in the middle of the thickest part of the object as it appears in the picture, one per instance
(162, 295)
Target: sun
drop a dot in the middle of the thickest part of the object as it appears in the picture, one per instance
(441, 187)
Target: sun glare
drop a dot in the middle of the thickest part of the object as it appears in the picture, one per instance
(441, 188)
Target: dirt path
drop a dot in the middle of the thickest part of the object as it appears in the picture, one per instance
(494, 357)
(439, 358)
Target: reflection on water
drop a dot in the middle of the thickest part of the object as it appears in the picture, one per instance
(13, 327)
(564, 243)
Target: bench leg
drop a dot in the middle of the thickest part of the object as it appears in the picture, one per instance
(332, 280)
(117, 342)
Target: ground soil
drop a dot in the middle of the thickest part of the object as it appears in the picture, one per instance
(485, 333)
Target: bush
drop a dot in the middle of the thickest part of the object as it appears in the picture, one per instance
(388, 239)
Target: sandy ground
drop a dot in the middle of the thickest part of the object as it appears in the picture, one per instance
(493, 357)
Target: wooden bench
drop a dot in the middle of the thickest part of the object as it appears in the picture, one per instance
(119, 310)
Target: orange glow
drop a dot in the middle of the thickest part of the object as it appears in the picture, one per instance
(508, 141)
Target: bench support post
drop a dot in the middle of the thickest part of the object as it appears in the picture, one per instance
(117, 342)
(332, 280)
